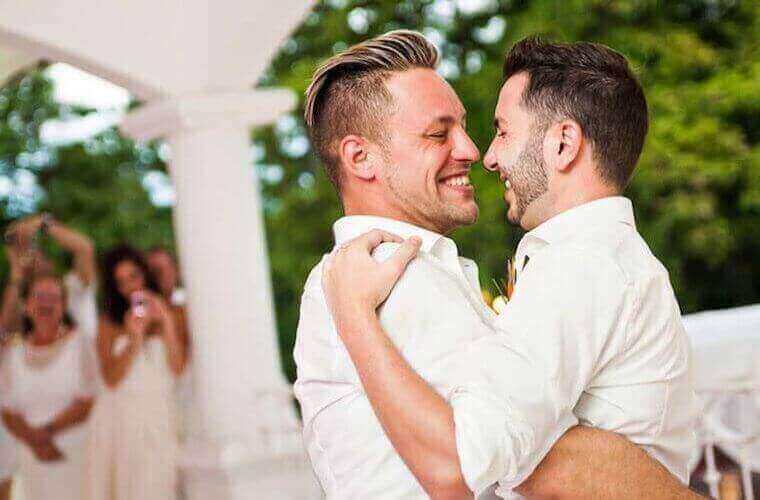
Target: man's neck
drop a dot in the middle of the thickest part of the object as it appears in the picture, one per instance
(388, 214)
(573, 198)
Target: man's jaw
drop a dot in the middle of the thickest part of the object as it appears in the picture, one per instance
(510, 199)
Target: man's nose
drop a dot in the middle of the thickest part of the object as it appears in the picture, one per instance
(489, 160)
(465, 149)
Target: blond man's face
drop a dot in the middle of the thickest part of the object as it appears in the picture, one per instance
(428, 153)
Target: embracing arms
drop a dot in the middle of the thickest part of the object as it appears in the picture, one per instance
(421, 424)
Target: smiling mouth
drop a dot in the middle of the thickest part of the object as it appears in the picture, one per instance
(457, 181)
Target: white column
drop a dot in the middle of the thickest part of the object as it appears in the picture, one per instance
(246, 444)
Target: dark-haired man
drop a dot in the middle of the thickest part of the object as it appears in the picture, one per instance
(392, 135)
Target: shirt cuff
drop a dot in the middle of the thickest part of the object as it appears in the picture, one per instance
(507, 484)
(492, 440)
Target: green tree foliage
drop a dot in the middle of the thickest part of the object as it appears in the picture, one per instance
(697, 190)
(95, 186)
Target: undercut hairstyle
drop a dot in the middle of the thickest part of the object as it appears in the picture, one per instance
(347, 94)
(592, 85)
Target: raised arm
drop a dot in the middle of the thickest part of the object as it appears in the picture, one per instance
(79, 245)
(172, 331)
(10, 311)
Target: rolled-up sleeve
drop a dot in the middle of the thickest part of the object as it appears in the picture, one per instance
(556, 332)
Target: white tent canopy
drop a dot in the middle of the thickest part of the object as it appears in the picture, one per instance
(726, 368)
(726, 347)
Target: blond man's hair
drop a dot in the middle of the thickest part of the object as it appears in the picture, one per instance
(347, 94)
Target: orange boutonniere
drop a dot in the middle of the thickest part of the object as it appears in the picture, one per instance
(505, 287)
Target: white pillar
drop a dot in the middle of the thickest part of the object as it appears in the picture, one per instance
(246, 444)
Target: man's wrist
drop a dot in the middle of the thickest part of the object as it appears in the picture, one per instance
(356, 321)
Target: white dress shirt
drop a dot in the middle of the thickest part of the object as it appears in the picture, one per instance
(593, 334)
(434, 311)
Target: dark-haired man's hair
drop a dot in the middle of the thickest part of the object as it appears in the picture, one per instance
(593, 85)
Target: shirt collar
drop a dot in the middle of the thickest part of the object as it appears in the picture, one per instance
(349, 227)
(575, 221)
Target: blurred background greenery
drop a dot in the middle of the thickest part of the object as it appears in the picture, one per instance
(696, 192)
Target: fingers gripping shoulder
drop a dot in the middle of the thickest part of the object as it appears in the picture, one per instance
(384, 251)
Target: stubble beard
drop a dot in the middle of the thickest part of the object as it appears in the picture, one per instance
(528, 176)
(438, 216)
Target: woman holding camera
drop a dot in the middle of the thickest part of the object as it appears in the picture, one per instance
(48, 382)
(141, 352)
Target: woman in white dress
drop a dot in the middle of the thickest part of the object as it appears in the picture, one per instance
(48, 384)
(133, 448)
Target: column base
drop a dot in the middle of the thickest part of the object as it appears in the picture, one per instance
(233, 471)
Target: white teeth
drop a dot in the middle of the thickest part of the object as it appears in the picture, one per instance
(462, 180)
(508, 184)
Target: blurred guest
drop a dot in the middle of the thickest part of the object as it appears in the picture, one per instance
(8, 461)
(165, 271)
(163, 267)
(48, 382)
(134, 439)
(25, 259)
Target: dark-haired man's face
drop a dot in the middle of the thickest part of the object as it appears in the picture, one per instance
(516, 153)
(428, 154)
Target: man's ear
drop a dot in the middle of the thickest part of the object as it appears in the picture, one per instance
(562, 145)
(355, 158)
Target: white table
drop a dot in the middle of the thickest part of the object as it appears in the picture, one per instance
(726, 367)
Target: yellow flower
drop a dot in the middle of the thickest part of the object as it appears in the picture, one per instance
(505, 289)
(499, 304)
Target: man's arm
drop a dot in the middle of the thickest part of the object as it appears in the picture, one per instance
(591, 463)
(418, 421)
(583, 463)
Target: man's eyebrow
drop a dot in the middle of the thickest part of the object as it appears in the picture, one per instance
(449, 119)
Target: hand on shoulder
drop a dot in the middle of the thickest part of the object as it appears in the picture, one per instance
(355, 282)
